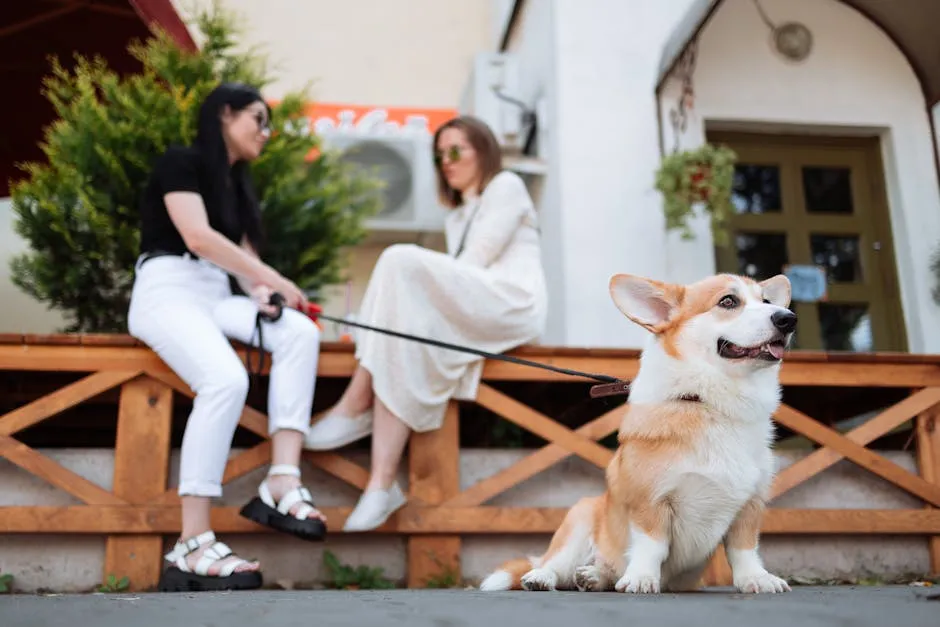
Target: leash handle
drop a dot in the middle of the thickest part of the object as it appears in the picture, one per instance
(277, 300)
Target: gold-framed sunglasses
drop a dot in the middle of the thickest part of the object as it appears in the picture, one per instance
(453, 155)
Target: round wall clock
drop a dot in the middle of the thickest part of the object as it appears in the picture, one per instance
(793, 40)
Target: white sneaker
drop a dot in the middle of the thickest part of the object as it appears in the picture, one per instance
(374, 508)
(335, 430)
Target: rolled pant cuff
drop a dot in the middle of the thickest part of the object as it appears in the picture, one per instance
(294, 423)
(200, 488)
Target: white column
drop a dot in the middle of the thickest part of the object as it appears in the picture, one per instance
(607, 153)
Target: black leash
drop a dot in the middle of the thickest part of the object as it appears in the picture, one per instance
(612, 385)
(256, 372)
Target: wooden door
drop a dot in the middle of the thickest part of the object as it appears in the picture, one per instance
(819, 201)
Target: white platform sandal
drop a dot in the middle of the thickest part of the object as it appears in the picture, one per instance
(264, 510)
(180, 578)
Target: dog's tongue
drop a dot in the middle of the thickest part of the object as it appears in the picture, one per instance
(776, 350)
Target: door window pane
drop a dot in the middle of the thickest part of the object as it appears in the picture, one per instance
(845, 327)
(761, 255)
(827, 190)
(839, 255)
(756, 189)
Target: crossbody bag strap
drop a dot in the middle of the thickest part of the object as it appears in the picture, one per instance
(463, 238)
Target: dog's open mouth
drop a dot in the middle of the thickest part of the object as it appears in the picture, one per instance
(770, 351)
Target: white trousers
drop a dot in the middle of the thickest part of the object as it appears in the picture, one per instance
(185, 311)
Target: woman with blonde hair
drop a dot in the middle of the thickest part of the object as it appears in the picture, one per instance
(487, 291)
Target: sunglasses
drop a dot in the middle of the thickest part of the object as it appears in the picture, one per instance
(263, 123)
(453, 155)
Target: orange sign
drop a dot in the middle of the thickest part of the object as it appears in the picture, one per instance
(435, 117)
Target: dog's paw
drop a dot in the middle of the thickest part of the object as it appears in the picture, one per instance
(638, 583)
(540, 579)
(589, 579)
(761, 582)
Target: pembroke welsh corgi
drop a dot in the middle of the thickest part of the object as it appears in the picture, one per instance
(694, 463)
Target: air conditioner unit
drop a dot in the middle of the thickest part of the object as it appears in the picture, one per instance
(496, 73)
(400, 155)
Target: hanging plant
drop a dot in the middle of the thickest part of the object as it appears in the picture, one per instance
(701, 176)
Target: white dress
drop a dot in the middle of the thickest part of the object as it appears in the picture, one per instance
(491, 297)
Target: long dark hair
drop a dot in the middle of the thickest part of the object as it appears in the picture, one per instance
(211, 145)
(489, 156)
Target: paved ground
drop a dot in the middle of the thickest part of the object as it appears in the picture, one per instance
(805, 607)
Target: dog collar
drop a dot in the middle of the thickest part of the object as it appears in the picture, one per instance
(622, 388)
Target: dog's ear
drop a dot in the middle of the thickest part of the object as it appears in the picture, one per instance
(651, 304)
(776, 289)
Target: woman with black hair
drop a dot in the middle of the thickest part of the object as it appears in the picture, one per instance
(201, 222)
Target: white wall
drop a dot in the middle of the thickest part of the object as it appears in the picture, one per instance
(686, 260)
(936, 126)
(854, 80)
(20, 313)
(412, 53)
(534, 45)
(499, 18)
(607, 147)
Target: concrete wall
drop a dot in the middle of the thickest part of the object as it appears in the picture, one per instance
(75, 563)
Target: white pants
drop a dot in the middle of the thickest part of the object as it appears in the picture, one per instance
(185, 311)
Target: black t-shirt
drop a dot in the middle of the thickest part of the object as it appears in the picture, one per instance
(182, 169)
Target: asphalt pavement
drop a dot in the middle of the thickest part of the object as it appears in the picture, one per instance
(852, 606)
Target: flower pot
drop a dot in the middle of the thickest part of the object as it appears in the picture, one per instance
(699, 178)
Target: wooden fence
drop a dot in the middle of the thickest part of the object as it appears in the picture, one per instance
(141, 508)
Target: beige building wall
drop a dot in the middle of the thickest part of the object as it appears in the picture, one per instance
(414, 53)
(20, 313)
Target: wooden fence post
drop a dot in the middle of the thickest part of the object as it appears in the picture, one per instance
(141, 467)
(434, 477)
(928, 460)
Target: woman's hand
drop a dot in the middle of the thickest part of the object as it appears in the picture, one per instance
(261, 294)
(274, 282)
(293, 296)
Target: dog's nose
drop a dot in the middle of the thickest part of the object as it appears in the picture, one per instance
(784, 320)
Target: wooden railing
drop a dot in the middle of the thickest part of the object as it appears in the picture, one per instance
(141, 507)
